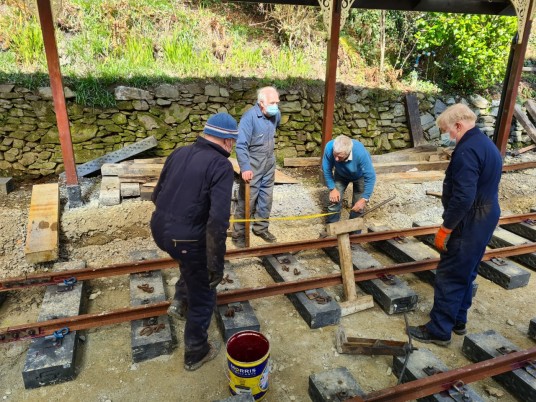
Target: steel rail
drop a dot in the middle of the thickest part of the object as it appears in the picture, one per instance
(244, 294)
(44, 328)
(45, 279)
(448, 379)
(81, 322)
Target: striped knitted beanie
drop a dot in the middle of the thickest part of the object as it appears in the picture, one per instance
(222, 125)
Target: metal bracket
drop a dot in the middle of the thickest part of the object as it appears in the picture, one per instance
(498, 261)
(458, 392)
(327, 12)
(530, 222)
(57, 336)
(400, 239)
(504, 350)
(387, 279)
(522, 12)
(431, 370)
(66, 285)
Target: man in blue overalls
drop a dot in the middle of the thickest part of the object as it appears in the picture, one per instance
(255, 155)
(190, 221)
(471, 212)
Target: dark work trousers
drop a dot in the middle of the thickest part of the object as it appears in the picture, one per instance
(262, 162)
(358, 187)
(458, 267)
(193, 286)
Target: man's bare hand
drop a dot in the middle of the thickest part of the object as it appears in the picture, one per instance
(359, 206)
(247, 175)
(334, 195)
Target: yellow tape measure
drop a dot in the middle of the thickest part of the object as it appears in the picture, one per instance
(283, 218)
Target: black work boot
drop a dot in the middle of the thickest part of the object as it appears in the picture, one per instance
(459, 328)
(266, 236)
(178, 309)
(421, 334)
(239, 242)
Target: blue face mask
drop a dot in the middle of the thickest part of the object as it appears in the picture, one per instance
(272, 110)
(446, 141)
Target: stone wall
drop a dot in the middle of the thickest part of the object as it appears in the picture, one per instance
(175, 115)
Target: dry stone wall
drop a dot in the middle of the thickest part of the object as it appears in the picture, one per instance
(176, 114)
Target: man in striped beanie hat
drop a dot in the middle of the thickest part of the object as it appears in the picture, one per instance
(190, 221)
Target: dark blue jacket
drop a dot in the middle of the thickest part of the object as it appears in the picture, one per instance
(472, 177)
(193, 200)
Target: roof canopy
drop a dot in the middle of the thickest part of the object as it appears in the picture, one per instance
(494, 7)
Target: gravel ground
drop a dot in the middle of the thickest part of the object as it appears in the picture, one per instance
(110, 235)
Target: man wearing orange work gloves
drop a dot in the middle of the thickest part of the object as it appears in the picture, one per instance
(471, 212)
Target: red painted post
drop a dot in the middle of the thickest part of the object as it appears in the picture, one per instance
(331, 74)
(56, 84)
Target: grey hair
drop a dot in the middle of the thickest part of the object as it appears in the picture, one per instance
(342, 145)
(261, 93)
(454, 114)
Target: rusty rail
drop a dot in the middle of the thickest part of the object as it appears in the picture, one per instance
(363, 275)
(39, 329)
(80, 322)
(446, 380)
(53, 278)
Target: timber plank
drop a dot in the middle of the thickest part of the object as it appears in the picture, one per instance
(395, 167)
(524, 120)
(110, 191)
(411, 177)
(139, 169)
(414, 120)
(42, 232)
(280, 177)
(530, 105)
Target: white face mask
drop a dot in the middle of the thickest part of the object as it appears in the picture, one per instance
(447, 141)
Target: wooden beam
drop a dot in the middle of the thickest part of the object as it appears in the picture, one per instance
(525, 122)
(530, 105)
(280, 177)
(414, 120)
(395, 167)
(42, 233)
(411, 177)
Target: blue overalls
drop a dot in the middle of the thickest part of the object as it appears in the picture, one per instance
(471, 209)
(193, 201)
(255, 152)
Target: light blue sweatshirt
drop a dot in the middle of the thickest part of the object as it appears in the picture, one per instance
(360, 165)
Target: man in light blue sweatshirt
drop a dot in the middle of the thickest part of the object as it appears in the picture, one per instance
(347, 161)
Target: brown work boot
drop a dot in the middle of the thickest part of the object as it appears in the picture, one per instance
(211, 354)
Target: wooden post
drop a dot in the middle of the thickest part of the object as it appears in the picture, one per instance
(342, 230)
(247, 212)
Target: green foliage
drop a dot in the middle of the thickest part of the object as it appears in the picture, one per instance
(27, 42)
(471, 51)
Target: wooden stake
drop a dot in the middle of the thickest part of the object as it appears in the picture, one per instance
(342, 230)
(247, 212)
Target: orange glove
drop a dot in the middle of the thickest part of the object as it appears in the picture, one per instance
(442, 238)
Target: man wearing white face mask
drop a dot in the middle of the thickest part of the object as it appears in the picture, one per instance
(255, 155)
